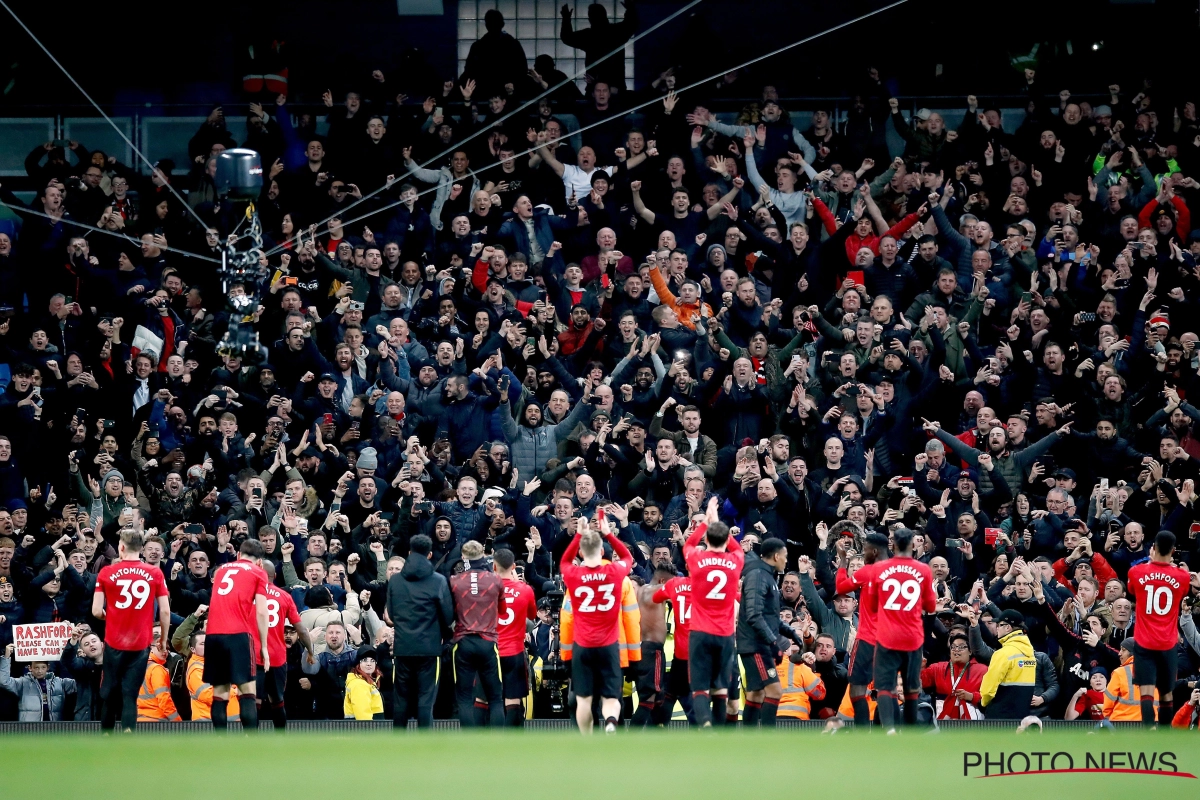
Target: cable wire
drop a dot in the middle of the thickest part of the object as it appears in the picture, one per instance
(458, 145)
(107, 119)
(125, 236)
(624, 112)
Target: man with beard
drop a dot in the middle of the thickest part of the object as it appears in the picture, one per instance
(694, 446)
(1012, 466)
(534, 441)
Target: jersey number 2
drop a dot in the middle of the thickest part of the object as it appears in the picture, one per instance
(717, 592)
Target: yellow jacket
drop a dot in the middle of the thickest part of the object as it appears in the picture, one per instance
(363, 700)
(1007, 688)
(202, 693)
(800, 687)
(629, 632)
(154, 703)
(1122, 699)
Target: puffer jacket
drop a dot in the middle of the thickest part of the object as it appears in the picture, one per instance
(29, 693)
(758, 625)
(530, 447)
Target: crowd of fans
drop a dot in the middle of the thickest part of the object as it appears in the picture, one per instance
(989, 338)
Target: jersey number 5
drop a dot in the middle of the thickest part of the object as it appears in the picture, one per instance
(226, 583)
(586, 595)
(909, 590)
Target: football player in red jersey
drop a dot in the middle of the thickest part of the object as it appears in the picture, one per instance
(281, 608)
(862, 655)
(1158, 587)
(128, 593)
(478, 605)
(237, 610)
(652, 669)
(715, 571)
(520, 605)
(904, 593)
(593, 590)
(677, 592)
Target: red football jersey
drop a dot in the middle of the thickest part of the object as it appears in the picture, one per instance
(520, 606)
(715, 576)
(904, 590)
(868, 597)
(594, 594)
(1157, 590)
(281, 608)
(131, 590)
(232, 608)
(678, 592)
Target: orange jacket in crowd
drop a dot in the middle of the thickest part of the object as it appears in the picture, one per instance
(154, 702)
(202, 693)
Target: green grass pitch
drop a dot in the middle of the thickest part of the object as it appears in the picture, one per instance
(651, 764)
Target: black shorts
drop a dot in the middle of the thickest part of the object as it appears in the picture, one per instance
(652, 671)
(514, 675)
(862, 663)
(1156, 667)
(124, 672)
(227, 659)
(760, 669)
(677, 678)
(596, 670)
(710, 661)
(270, 684)
(889, 662)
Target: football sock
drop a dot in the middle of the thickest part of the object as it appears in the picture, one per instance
(1165, 712)
(1148, 710)
(248, 712)
(279, 715)
(886, 703)
(514, 717)
(702, 708)
(862, 709)
(752, 713)
(220, 713)
(770, 708)
(911, 707)
(719, 704)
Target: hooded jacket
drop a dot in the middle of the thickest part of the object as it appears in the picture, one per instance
(420, 608)
(29, 693)
(530, 447)
(759, 628)
(1007, 688)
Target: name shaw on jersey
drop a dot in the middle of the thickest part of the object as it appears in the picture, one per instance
(592, 577)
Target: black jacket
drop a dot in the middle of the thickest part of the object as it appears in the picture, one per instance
(419, 605)
(759, 628)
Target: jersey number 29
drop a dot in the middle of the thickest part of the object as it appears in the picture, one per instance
(909, 590)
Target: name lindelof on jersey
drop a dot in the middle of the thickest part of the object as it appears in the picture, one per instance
(901, 568)
(715, 561)
(1159, 576)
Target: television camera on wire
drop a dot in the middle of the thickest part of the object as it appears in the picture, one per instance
(556, 673)
(239, 181)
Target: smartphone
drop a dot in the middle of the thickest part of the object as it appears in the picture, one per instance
(302, 524)
(424, 505)
(954, 544)
(327, 419)
(856, 275)
(1135, 246)
(256, 492)
(80, 415)
(437, 112)
(221, 395)
(1104, 485)
(1026, 297)
(290, 280)
(64, 143)
(907, 481)
(193, 529)
(354, 425)
(1087, 316)
(1122, 283)
(990, 535)
(68, 301)
(502, 384)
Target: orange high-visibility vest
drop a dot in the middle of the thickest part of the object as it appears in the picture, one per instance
(154, 703)
(202, 693)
